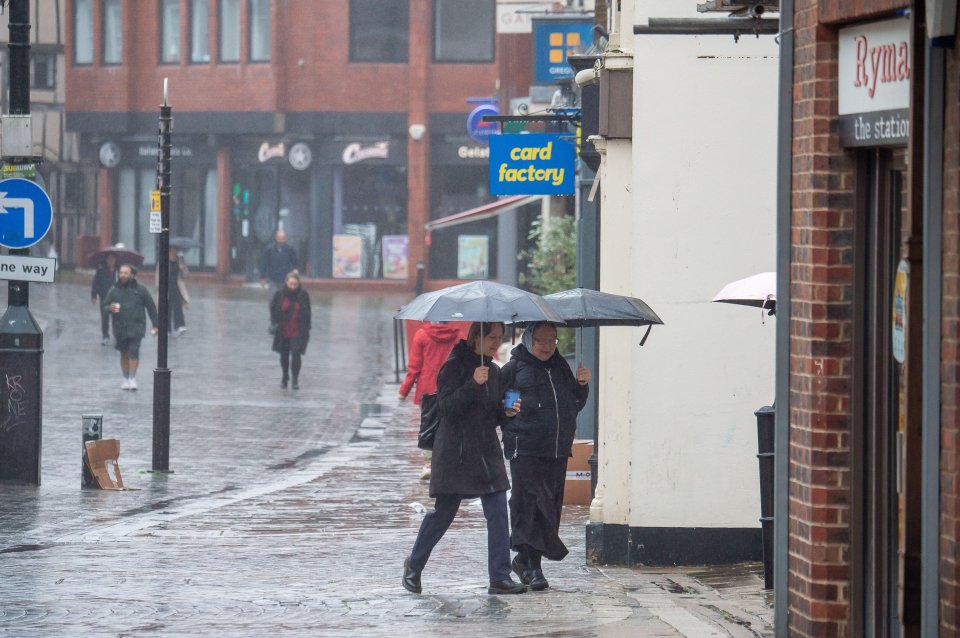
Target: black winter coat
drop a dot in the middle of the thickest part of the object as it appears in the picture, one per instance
(550, 399)
(467, 457)
(103, 281)
(298, 344)
(134, 300)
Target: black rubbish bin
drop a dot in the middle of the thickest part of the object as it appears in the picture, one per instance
(765, 449)
(21, 379)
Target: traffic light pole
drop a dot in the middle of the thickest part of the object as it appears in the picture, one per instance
(161, 375)
(18, 292)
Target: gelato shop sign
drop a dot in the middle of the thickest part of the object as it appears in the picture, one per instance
(874, 78)
(531, 164)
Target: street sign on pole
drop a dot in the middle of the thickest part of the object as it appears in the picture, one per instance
(18, 268)
(25, 213)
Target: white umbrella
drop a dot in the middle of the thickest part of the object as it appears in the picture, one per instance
(759, 291)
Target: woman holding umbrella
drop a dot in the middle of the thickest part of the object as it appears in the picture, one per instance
(467, 460)
(537, 441)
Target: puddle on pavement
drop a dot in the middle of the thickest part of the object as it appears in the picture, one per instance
(291, 463)
(159, 505)
(24, 548)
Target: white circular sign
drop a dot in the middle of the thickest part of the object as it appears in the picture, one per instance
(109, 154)
(300, 156)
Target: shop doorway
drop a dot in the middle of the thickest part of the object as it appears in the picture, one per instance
(880, 417)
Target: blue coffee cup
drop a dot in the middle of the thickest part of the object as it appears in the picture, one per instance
(510, 397)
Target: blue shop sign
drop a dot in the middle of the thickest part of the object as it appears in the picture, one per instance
(477, 128)
(552, 41)
(532, 164)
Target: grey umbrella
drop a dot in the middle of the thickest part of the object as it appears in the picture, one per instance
(479, 301)
(586, 308)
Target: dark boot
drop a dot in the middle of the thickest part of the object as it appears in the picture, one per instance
(284, 381)
(506, 587)
(411, 578)
(296, 384)
(537, 580)
(521, 568)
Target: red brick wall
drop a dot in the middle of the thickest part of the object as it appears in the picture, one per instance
(314, 73)
(950, 348)
(820, 340)
(841, 10)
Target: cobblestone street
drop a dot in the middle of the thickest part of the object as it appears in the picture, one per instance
(287, 512)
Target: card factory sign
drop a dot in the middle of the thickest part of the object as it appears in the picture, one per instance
(531, 164)
(874, 75)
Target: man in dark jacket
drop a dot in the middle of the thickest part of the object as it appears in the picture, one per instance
(277, 260)
(103, 281)
(127, 301)
(538, 440)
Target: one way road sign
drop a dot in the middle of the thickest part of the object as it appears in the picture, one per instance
(40, 269)
(25, 213)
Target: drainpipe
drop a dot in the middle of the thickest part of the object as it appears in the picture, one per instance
(784, 210)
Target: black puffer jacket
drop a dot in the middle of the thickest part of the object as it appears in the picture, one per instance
(467, 457)
(550, 399)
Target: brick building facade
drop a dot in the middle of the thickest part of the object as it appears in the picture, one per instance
(343, 122)
(874, 312)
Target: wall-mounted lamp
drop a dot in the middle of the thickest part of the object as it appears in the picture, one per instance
(417, 131)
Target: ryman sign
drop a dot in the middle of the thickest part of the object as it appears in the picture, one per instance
(874, 75)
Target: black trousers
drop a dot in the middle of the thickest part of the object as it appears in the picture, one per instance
(436, 523)
(290, 360)
(536, 504)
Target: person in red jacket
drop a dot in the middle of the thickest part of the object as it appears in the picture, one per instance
(429, 350)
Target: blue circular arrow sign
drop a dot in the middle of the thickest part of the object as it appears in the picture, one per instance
(25, 213)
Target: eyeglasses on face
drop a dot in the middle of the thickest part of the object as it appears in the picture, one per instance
(546, 342)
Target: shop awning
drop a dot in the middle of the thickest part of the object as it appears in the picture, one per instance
(483, 212)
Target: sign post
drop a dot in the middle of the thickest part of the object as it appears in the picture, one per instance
(161, 375)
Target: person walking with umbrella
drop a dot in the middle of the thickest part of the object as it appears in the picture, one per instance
(467, 460)
(538, 441)
(177, 296)
(128, 301)
(103, 280)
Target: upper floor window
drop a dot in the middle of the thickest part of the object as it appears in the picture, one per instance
(42, 66)
(112, 32)
(200, 31)
(83, 32)
(259, 30)
(170, 31)
(379, 30)
(463, 30)
(229, 30)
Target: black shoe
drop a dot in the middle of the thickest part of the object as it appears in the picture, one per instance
(521, 570)
(296, 384)
(506, 587)
(411, 578)
(537, 580)
(283, 384)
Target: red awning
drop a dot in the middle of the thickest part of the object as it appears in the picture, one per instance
(483, 212)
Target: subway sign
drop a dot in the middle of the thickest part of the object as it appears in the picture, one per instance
(532, 164)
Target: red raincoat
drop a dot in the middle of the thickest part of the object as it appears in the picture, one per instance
(428, 351)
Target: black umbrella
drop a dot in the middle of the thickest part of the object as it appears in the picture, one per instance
(123, 254)
(583, 307)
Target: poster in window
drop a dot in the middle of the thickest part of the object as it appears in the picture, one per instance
(395, 256)
(347, 256)
(473, 256)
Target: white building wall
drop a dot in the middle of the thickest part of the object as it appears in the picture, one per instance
(678, 434)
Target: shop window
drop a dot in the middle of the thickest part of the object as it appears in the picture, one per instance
(463, 30)
(229, 30)
(170, 31)
(379, 30)
(199, 31)
(112, 32)
(42, 65)
(259, 30)
(83, 32)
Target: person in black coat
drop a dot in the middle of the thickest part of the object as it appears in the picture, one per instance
(290, 324)
(538, 440)
(103, 280)
(276, 260)
(467, 461)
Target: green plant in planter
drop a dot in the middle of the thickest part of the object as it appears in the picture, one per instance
(552, 264)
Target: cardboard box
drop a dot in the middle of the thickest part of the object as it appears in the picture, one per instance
(102, 460)
(576, 490)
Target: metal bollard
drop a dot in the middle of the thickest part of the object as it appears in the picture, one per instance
(765, 456)
(92, 431)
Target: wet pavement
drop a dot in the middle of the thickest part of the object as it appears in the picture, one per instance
(287, 512)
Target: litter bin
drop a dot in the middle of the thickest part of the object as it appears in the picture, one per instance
(21, 362)
(765, 456)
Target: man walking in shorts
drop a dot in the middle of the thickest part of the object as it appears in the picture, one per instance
(127, 302)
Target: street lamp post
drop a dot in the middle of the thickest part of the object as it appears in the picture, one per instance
(161, 374)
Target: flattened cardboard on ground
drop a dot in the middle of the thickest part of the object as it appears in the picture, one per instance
(576, 489)
(102, 460)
